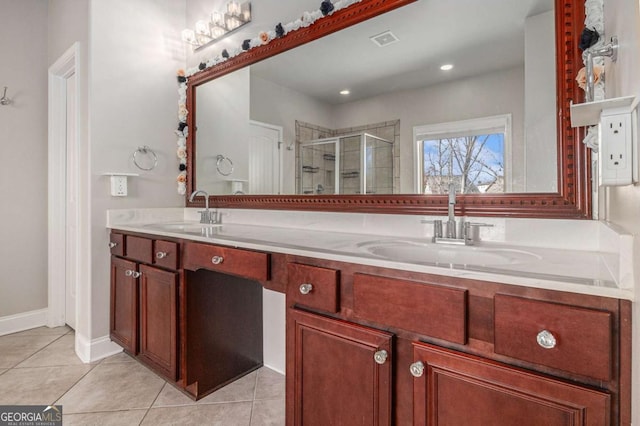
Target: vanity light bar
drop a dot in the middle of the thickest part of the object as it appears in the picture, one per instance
(219, 25)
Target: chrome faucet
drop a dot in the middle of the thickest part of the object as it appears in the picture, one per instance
(206, 216)
(468, 233)
(451, 223)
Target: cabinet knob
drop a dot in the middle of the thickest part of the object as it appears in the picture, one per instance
(112, 244)
(417, 369)
(161, 255)
(136, 274)
(306, 288)
(546, 339)
(128, 273)
(380, 357)
(216, 260)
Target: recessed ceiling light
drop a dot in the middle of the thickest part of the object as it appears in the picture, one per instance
(344, 92)
(446, 67)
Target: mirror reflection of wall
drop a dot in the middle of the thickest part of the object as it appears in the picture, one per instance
(508, 70)
(222, 129)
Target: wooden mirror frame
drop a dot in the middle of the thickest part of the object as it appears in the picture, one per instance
(572, 201)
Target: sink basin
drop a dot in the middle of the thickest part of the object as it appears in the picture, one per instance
(187, 227)
(438, 254)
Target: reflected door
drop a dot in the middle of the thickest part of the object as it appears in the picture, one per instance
(265, 159)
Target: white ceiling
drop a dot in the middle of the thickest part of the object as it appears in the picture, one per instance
(476, 36)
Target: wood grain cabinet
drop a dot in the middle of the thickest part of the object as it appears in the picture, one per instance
(367, 345)
(451, 388)
(124, 304)
(338, 373)
(456, 352)
(159, 320)
(144, 301)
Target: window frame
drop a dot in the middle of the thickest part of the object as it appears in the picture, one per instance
(461, 128)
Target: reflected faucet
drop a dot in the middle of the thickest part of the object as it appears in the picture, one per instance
(206, 216)
(451, 223)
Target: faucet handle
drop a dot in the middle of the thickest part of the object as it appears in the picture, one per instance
(437, 227)
(468, 232)
(205, 216)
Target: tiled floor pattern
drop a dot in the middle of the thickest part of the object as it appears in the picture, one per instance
(40, 367)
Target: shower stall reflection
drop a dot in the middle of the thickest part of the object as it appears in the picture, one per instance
(350, 164)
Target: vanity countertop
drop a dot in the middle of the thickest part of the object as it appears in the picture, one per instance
(594, 270)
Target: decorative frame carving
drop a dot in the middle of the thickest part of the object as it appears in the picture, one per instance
(572, 201)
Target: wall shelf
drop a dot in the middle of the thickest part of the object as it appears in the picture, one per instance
(588, 113)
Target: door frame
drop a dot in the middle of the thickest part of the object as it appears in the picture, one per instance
(59, 72)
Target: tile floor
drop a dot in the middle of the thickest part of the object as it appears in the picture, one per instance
(40, 367)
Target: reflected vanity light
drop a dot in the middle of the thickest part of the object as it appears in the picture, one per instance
(446, 67)
(219, 25)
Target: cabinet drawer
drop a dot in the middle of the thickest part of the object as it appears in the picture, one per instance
(138, 248)
(243, 263)
(165, 253)
(116, 244)
(431, 310)
(313, 287)
(583, 340)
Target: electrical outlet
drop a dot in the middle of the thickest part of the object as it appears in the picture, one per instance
(119, 186)
(615, 149)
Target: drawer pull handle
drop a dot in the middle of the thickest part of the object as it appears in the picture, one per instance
(380, 357)
(306, 288)
(417, 369)
(546, 339)
(128, 273)
(112, 245)
(216, 260)
(161, 255)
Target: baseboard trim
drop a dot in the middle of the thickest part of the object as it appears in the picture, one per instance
(23, 321)
(96, 349)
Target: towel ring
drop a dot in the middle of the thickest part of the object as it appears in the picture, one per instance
(145, 152)
(224, 165)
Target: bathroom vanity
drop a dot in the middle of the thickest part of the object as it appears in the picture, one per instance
(384, 341)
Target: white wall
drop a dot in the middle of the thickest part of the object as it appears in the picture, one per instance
(135, 52)
(23, 147)
(458, 100)
(541, 141)
(281, 106)
(68, 23)
(223, 129)
(622, 18)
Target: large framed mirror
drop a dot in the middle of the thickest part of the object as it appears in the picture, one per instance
(393, 145)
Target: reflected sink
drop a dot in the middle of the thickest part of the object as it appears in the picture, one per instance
(187, 227)
(439, 254)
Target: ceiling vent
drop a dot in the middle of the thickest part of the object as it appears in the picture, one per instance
(384, 39)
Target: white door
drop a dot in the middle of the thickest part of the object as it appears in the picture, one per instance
(71, 216)
(265, 159)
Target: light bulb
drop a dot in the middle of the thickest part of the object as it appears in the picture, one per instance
(189, 36)
(202, 27)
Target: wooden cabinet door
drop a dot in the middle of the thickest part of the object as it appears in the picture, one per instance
(158, 320)
(333, 377)
(457, 389)
(124, 304)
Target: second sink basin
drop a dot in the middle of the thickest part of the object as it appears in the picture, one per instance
(439, 254)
